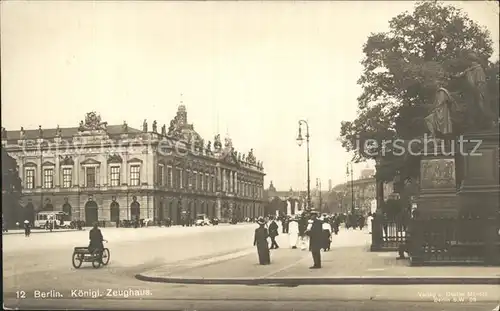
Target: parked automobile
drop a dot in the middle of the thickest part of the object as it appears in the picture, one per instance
(202, 220)
(215, 221)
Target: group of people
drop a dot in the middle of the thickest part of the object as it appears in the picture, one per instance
(300, 229)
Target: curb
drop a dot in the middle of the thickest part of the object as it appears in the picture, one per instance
(44, 231)
(343, 280)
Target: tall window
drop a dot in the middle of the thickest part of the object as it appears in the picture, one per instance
(48, 178)
(194, 180)
(169, 177)
(178, 179)
(115, 176)
(161, 175)
(91, 178)
(67, 177)
(135, 175)
(212, 184)
(185, 178)
(30, 179)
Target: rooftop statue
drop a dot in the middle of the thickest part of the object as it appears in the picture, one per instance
(145, 126)
(217, 142)
(40, 131)
(92, 122)
(22, 133)
(164, 130)
(4, 133)
(125, 127)
(251, 157)
(58, 131)
(209, 147)
(155, 127)
(227, 142)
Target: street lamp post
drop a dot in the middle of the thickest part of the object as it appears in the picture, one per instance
(300, 140)
(349, 170)
(318, 185)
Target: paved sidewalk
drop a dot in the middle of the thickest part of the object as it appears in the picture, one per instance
(343, 264)
(35, 231)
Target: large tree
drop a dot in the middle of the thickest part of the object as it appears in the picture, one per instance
(402, 70)
(11, 189)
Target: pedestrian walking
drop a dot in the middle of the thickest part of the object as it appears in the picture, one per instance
(302, 232)
(369, 222)
(315, 232)
(260, 240)
(293, 232)
(285, 224)
(327, 234)
(27, 228)
(273, 233)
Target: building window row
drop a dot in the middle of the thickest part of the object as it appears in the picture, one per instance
(178, 178)
(90, 174)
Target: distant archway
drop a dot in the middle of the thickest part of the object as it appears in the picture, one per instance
(29, 213)
(48, 207)
(67, 209)
(214, 210)
(135, 210)
(91, 213)
(159, 215)
(179, 212)
(170, 212)
(114, 209)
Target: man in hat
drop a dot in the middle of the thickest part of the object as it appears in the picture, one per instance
(260, 240)
(27, 228)
(293, 232)
(315, 232)
(273, 233)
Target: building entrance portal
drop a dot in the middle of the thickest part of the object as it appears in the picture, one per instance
(91, 213)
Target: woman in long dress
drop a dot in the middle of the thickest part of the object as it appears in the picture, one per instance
(369, 222)
(293, 232)
(327, 234)
(260, 240)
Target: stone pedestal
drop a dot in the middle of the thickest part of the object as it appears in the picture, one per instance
(437, 195)
(479, 192)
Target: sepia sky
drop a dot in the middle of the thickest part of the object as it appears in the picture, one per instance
(250, 69)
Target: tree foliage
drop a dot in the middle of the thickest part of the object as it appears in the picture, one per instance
(11, 183)
(402, 69)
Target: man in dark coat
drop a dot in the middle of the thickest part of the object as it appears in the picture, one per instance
(273, 233)
(315, 232)
(96, 240)
(285, 223)
(260, 240)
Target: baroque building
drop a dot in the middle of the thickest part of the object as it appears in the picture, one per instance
(284, 202)
(100, 172)
(339, 200)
